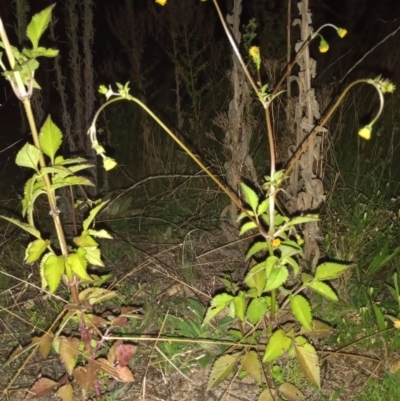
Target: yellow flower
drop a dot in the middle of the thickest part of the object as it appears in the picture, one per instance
(161, 2)
(341, 32)
(397, 324)
(276, 242)
(109, 163)
(254, 53)
(365, 132)
(323, 46)
(386, 86)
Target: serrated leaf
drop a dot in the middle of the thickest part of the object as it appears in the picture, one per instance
(291, 392)
(263, 206)
(330, 270)
(323, 289)
(100, 234)
(41, 388)
(251, 364)
(277, 277)
(240, 305)
(93, 213)
(306, 278)
(28, 228)
(247, 227)
(256, 278)
(78, 264)
(28, 157)
(277, 345)
(63, 162)
(291, 262)
(35, 249)
(69, 348)
(308, 360)
(319, 329)
(69, 181)
(257, 247)
(50, 138)
(221, 369)
(93, 256)
(301, 310)
(38, 25)
(85, 240)
(270, 264)
(53, 268)
(256, 310)
(250, 196)
(218, 303)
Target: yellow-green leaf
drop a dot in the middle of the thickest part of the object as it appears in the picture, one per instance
(277, 345)
(93, 213)
(77, 263)
(50, 138)
(38, 25)
(251, 364)
(301, 310)
(53, 269)
(221, 369)
(323, 289)
(330, 270)
(308, 360)
(28, 157)
(277, 277)
(35, 249)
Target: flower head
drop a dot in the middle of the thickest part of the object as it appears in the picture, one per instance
(276, 242)
(161, 2)
(386, 86)
(341, 32)
(323, 45)
(109, 163)
(365, 132)
(254, 53)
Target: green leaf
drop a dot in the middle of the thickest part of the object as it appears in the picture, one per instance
(93, 256)
(247, 227)
(85, 240)
(64, 162)
(323, 289)
(251, 364)
(221, 369)
(240, 305)
(382, 258)
(299, 220)
(68, 181)
(77, 263)
(28, 228)
(306, 278)
(256, 310)
(290, 248)
(53, 268)
(270, 264)
(330, 270)
(250, 196)
(263, 207)
(35, 249)
(28, 157)
(100, 234)
(308, 360)
(380, 319)
(50, 138)
(277, 345)
(218, 303)
(277, 277)
(301, 310)
(38, 25)
(93, 213)
(257, 247)
(291, 262)
(256, 278)
(40, 52)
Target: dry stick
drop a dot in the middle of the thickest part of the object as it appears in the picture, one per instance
(370, 51)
